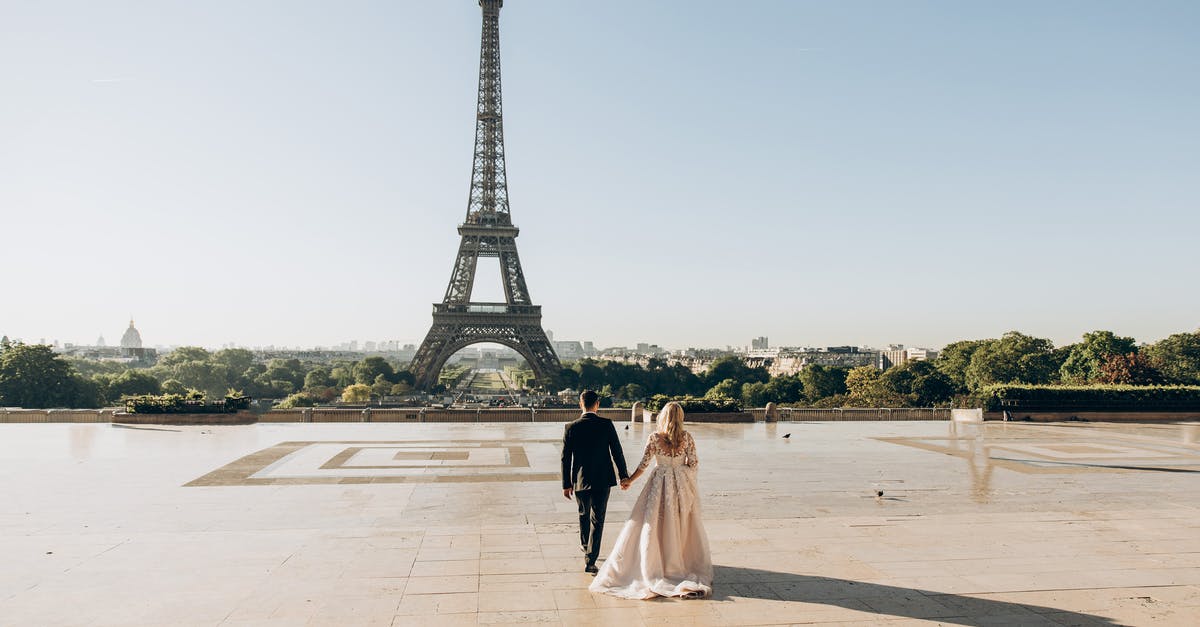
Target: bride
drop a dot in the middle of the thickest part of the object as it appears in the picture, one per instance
(663, 549)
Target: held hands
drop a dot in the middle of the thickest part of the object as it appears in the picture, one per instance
(625, 483)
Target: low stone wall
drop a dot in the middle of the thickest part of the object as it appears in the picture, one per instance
(40, 416)
(723, 417)
(239, 418)
(517, 414)
(749, 415)
(431, 414)
(799, 414)
(1095, 416)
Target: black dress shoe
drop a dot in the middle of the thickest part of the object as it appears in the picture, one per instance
(591, 568)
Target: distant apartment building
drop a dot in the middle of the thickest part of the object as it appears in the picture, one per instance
(759, 344)
(790, 361)
(898, 355)
(569, 350)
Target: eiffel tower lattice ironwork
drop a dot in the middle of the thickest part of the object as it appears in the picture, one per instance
(488, 231)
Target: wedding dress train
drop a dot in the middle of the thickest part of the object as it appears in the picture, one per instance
(662, 549)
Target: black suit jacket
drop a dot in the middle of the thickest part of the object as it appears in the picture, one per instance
(590, 447)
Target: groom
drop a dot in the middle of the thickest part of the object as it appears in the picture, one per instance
(590, 447)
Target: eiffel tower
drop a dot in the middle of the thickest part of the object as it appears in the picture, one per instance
(488, 231)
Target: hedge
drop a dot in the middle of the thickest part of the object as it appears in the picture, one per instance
(193, 403)
(694, 405)
(1090, 398)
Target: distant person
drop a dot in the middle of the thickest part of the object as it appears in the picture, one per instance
(590, 448)
(663, 548)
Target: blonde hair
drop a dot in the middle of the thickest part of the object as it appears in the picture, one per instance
(670, 423)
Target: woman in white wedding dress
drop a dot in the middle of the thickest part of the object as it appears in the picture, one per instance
(663, 549)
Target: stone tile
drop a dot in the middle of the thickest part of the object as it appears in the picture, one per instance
(597, 617)
(528, 617)
(574, 599)
(447, 603)
(517, 601)
(512, 566)
(442, 585)
(445, 568)
(467, 619)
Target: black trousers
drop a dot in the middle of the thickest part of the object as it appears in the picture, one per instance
(592, 506)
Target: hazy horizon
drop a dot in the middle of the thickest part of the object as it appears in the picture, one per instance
(261, 173)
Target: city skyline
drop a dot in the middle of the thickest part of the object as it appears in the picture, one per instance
(385, 345)
(823, 175)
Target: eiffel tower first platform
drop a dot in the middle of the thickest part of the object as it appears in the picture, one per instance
(488, 231)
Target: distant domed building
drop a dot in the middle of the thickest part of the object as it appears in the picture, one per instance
(131, 339)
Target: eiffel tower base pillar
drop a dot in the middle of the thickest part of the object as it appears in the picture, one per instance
(455, 327)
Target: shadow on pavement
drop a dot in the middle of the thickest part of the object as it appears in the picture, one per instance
(735, 582)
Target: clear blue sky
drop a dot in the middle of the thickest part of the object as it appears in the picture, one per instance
(687, 173)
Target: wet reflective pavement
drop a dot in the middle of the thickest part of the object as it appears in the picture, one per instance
(380, 524)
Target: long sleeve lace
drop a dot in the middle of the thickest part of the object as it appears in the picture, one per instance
(689, 453)
(648, 453)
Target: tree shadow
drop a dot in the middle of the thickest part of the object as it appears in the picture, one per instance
(892, 601)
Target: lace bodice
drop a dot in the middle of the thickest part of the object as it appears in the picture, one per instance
(683, 454)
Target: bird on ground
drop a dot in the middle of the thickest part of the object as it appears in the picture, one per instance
(627, 427)
(787, 435)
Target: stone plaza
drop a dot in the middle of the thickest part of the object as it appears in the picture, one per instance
(890, 523)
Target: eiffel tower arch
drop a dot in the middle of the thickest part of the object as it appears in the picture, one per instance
(487, 231)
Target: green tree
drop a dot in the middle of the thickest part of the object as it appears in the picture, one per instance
(782, 389)
(865, 387)
(918, 383)
(357, 393)
(289, 370)
(299, 399)
(954, 359)
(318, 378)
(236, 362)
(729, 388)
(381, 386)
(401, 388)
(210, 378)
(184, 354)
(632, 392)
(591, 376)
(1177, 357)
(131, 383)
(565, 378)
(1083, 363)
(371, 368)
(1014, 358)
(754, 394)
(343, 375)
(33, 376)
(822, 381)
(173, 386)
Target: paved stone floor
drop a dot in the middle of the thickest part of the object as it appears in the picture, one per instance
(430, 524)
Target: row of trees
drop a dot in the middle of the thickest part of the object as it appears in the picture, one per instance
(959, 373)
(35, 376)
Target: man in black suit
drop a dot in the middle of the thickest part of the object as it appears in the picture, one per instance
(590, 448)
